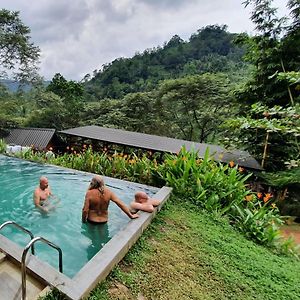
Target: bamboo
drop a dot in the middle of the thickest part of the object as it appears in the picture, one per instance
(288, 87)
(265, 150)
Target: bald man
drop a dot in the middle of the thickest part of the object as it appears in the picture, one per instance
(41, 195)
(143, 202)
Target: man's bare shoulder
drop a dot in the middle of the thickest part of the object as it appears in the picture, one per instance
(37, 191)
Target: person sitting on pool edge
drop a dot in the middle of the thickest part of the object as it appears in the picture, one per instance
(42, 194)
(143, 202)
(97, 199)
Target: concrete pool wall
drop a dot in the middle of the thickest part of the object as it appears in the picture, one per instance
(98, 267)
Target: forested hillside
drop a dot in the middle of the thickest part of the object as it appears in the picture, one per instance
(211, 49)
(218, 87)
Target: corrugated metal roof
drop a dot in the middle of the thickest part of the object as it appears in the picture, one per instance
(163, 144)
(37, 137)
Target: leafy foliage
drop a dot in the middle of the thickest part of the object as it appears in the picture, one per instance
(270, 54)
(270, 133)
(209, 50)
(209, 185)
(59, 106)
(2, 146)
(16, 51)
(195, 106)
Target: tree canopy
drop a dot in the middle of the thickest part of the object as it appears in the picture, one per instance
(210, 49)
(17, 53)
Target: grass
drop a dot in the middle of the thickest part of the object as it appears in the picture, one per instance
(190, 254)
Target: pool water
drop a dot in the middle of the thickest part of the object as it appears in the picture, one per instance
(62, 226)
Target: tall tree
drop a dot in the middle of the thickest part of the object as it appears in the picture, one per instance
(270, 53)
(270, 129)
(71, 93)
(17, 53)
(193, 107)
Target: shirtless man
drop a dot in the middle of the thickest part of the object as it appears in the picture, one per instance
(97, 199)
(143, 202)
(41, 195)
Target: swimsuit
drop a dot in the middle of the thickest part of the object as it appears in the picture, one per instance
(95, 223)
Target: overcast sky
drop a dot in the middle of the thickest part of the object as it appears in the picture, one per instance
(79, 36)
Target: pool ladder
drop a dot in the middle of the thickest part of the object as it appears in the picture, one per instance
(27, 247)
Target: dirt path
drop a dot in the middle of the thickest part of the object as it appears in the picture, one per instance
(292, 230)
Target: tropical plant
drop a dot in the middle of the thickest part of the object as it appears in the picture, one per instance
(218, 188)
(270, 51)
(269, 133)
(2, 146)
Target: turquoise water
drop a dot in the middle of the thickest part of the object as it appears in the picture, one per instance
(62, 226)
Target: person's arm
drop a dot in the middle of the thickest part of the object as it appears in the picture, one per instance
(37, 202)
(53, 199)
(122, 205)
(85, 209)
(148, 207)
(154, 202)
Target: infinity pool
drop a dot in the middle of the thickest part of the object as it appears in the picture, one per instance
(62, 226)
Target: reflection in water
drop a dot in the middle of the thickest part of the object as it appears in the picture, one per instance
(98, 234)
(62, 226)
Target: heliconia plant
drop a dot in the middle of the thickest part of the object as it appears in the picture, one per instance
(216, 187)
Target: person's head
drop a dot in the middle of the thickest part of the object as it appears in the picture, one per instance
(141, 197)
(43, 183)
(97, 182)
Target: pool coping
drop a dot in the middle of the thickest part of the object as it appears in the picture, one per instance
(100, 265)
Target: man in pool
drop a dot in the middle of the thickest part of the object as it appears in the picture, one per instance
(143, 202)
(97, 199)
(42, 194)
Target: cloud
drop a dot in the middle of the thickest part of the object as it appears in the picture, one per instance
(79, 36)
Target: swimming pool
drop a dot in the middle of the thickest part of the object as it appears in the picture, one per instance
(79, 242)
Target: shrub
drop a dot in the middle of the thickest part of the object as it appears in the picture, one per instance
(216, 187)
(2, 146)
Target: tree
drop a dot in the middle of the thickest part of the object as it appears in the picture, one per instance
(49, 113)
(17, 53)
(139, 112)
(274, 49)
(71, 94)
(270, 128)
(193, 107)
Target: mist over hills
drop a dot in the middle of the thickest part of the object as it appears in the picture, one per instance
(14, 86)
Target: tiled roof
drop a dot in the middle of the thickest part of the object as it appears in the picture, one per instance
(160, 143)
(37, 137)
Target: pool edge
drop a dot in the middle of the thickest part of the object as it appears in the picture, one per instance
(99, 266)
(112, 253)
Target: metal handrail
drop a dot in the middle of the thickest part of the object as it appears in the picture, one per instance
(23, 266)
(20, 227)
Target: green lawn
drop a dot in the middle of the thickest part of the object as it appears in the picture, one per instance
(189, 254)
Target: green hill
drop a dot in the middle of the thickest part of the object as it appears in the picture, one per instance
(210, 49)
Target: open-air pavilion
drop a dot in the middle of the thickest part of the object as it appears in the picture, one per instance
(108, 138)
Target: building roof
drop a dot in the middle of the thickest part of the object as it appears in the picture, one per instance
(37, 137)
(162, 144)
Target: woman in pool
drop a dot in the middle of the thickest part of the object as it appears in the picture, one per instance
(97, 198)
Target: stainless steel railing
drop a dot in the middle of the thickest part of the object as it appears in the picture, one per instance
(21, 228)
(30, 245)
(23, 265)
